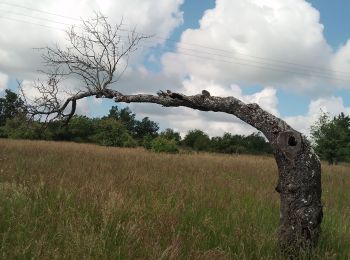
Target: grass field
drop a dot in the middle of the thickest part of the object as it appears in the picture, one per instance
(66, 200)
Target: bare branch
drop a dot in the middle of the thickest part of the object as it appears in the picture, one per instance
(97, 55)
(94, 56)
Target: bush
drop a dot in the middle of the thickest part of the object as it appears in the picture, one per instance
(162, 145)
(128, 141)
(147, 142)
(197, 139)
(111, 132)
(19, 128)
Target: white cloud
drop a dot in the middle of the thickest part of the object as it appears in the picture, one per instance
(266, 98)
(341, 65)
(266, 42)
(3, 81)
(272, 43)
(18, 39)
(185, 119)
(332, 105)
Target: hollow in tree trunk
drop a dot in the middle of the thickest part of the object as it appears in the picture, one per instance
(299, 169)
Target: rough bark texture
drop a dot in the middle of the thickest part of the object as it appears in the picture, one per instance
(299, 180)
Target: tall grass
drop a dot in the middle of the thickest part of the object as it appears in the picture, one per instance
(65, 200)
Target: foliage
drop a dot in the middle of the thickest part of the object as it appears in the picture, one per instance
(11, 106)
(161, 144)
(17, 128)
(110, 132)
(331, 137)
(138, 129)
(125, 116)
(120, 128)
(147, 142)
(197, 140)
(228, 143)
(146, 127)
(83, 201)
(170, 134)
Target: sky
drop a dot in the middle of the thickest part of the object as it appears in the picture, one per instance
(292, 57)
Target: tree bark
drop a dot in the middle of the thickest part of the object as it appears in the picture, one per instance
(299, 169)
(299, 180)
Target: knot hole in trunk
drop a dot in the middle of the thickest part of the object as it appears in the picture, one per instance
(292, 141)
(289, 142)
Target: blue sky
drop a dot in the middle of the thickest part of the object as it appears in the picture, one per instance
(334, 15)
(279, 54)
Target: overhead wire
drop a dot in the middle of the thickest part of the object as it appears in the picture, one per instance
(191, 44)
(38, 10)
(264, 63)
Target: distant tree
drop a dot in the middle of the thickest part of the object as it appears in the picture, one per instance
(256, 144)
(17, 128)
(125, 116)
(81, 128)
(170, 134)
(331, 137)
(197, 139)
(97, 54)
(114, 113)
(162, 145)
(146, 127)
(110, 132)
(11, 105)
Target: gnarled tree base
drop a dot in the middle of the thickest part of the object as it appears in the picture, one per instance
(299, 181)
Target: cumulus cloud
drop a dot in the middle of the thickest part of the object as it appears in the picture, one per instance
(26, 29)
(341, 65)
(272, 43)
(332, 105)
(279, 43)
(3, 81)
(185, 119)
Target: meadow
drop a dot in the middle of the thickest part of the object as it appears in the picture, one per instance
(66, 200)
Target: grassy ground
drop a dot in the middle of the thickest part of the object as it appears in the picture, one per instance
(65, 200)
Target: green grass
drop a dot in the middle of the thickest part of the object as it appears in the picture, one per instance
(65, 200)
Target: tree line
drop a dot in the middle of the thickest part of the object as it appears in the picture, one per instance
(120, 128)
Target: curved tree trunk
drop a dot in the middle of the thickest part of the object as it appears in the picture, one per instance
(299, 180)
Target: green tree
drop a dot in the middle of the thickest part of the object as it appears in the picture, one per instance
(161, 144)
(110, 132)
(170, 134)
(331, 137)
(197, 140)
(256, 144)
(146, 127)
(17, 128)
(11, 106)
(125, 116)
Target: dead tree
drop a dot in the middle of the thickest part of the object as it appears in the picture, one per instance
(94, 56)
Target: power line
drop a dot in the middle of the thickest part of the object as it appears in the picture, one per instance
(314, 68)
(267, 65)
(38, 10)
(311, 69)
(285, 70)
(39, 18)
(28, 22)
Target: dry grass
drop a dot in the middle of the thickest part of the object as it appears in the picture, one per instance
(66, 200)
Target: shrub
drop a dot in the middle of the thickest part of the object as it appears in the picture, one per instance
(19, 128)
(111, 132)
(161, 144)
(128, 141)
(147, 142)
(197, 140)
